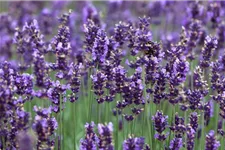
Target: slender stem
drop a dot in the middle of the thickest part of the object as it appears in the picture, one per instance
(3, 142)
(132, 126)
(59, 137)
(61, 124)
(150, 131)
(74, 121)
(117, 129)
(108, 110)
(185, 136)
(123, 127)
(192, 79)
(90, 94)
(223, 128)
(216, 116)
(59, 145)
(98, 111)
(202, 142)
(173, 117)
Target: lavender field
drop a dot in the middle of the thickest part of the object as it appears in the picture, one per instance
(112, 75)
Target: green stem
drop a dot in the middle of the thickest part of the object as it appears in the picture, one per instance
(61, 126)
(90, 95)
(59, 136)
(202, 142)
(216, 115)
(223, 141)
(192, 79)
(117, 129)
(131, 127)
(98, 112)
(185, 136)
(123, 127)
(74, 121)
(150, 131)
(173, 117)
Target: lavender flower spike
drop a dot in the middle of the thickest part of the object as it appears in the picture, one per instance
(105, 136)
(211, 142)
(136, 143)
(210, 45)
(90, 140)
(160, 123)
(176, 144)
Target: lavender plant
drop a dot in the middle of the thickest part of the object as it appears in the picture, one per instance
(115, 75)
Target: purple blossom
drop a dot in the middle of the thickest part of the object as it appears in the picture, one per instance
(176, 144)
(121, 32)
(24, 84)
(216, 77)
(179, 73)
(91, 139)
(190, 137)
(208, 111)
(55, 95)
(98, 85)
(44, 126)
(136, 143)
(211, 142)
(220, 128)
(210, 45)
(194, 99)
(100, 47)
(160, 124)
(179, 127)
(151, 70)
(159, 88)
(90, 30)
(193, 120)
(194, 35)
(105, 136)
(222, 106)
(41, 70)
(199, 83)
(75, 75)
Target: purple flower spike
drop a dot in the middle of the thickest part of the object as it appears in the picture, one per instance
(211, 142)
(137, 143)
(90, 140)
(160, 124)
(44, 126)
(100, 47)
(190, 137)
(179, 127)
(159, 89)
(105, 136)
(208, 111)
(179, 73)
(24, 84)
(193, 120)
(176, 144)
(222, 106)
(210, 45)
(99, 80)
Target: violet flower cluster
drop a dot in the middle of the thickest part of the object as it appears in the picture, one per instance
(151, 75)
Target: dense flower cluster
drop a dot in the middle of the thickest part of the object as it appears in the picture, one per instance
(160, 123)
(91, 139)
(135, 143)
(144, 72)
